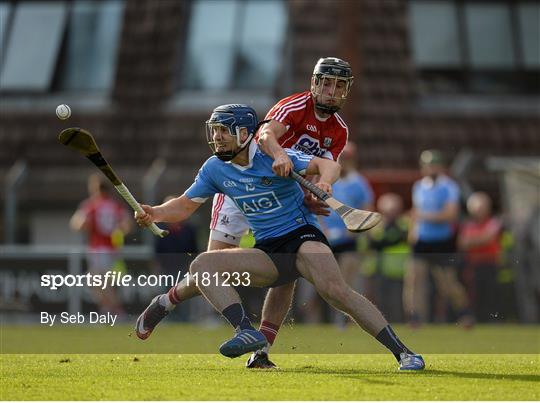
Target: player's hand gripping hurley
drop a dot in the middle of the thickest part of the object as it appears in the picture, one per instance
(355, 220)
(82, 141)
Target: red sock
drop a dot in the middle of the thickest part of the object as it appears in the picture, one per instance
(269, 330)
(173, 297)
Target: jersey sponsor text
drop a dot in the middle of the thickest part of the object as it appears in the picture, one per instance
(260, 203)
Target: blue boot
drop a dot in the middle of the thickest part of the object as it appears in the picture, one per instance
(245, 341)
(411, 362)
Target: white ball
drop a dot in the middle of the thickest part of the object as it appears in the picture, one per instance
(63, 112)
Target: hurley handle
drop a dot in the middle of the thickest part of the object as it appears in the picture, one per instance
(126, 194)
(321, 194)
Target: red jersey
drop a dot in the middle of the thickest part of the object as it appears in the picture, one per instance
(103, 216)
(305, 131)
(489, 252)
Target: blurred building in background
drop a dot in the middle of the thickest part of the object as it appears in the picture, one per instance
(143, 75)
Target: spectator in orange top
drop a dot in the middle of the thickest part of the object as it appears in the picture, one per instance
(479, 239)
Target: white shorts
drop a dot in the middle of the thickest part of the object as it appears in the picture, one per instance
(228, 224)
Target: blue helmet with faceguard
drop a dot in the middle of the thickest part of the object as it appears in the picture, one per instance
(233, 117)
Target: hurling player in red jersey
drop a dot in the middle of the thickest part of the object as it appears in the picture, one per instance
(105, 221)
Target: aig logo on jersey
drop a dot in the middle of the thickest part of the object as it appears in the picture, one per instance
(260, 203)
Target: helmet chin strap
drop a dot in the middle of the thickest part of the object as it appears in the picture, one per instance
(327, 109)
(225, 155)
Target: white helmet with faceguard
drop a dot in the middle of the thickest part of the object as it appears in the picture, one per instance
(231, 118)
(331, 72)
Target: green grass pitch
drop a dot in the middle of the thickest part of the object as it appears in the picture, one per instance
(313, 369)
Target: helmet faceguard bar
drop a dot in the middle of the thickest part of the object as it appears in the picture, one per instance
(319, 83)
(211, 128)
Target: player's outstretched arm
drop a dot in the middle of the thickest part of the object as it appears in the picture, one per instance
(174, 210)
(328, 171)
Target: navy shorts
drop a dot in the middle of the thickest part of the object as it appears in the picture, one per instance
(349, 246)
(282, 250)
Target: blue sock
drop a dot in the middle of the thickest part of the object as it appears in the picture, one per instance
(388, 338)
(237, 317)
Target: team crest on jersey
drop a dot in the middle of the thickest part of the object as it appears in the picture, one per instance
(260, 203)
(266, 181)
(327, 142)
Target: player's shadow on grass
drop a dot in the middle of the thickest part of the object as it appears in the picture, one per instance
(360, 374)
(476, 375)
(309, 369)
(357, 375)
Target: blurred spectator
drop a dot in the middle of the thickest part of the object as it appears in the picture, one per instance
(434, 217)
(389, 241)
(105, 222)
(527, 268)
(174, 253)
(479, 238)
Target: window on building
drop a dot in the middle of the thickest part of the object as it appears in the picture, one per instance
(32, 46)
(234, 44)
(58, 46)
(473, 46)
(93, 34)
(529, 17)
(435, 50)
(5, 10)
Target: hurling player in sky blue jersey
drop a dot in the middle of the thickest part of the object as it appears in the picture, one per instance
(289, 243)
(309, 122)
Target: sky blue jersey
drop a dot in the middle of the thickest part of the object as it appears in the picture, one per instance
(432, 197)
(273, 205)
(353, 190)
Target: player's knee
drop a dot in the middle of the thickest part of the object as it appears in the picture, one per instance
(337, 302)
(200, 263)
(334, 292)
(342, 296)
